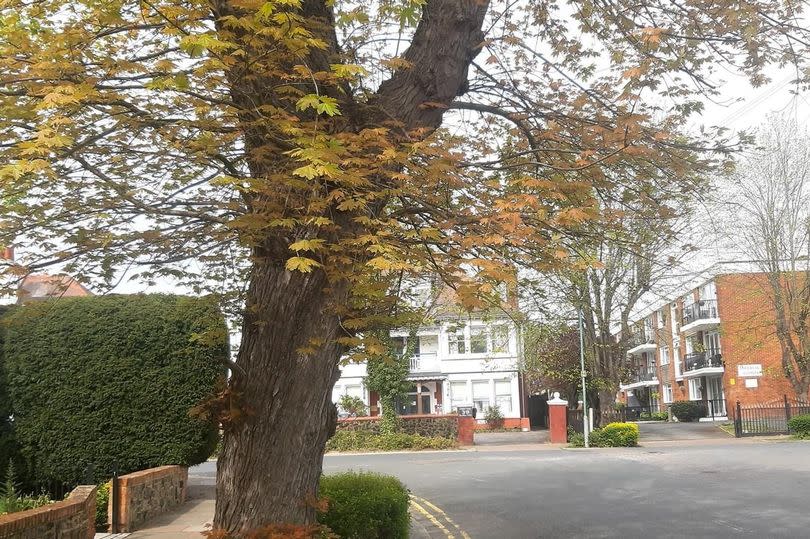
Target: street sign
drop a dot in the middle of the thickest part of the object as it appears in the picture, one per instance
(753, 369)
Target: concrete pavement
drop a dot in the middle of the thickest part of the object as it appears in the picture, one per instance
(664, 431)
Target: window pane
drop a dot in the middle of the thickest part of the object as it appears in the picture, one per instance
(481, 389)
(500, 339)
(504, 403)
(478, 341)
(355, 391)
(457, 345)
(503, 387)
(458, 393)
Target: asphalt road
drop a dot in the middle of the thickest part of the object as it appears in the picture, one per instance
(728, 488)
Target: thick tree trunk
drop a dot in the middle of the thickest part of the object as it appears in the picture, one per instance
(270, 465)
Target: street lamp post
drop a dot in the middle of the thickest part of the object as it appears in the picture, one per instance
(582, 374)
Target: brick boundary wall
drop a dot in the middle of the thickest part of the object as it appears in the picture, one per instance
(73, 518)
(514, 423)
(148, 493)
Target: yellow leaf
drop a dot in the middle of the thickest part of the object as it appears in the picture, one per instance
(302, 264)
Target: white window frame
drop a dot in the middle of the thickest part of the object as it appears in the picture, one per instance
(668, 395)
(476, 399)
(504, 396)
(664, 354)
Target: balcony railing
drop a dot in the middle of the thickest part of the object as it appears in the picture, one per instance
(638, 338)
(702, 360)
(703, 309)
(424, 362)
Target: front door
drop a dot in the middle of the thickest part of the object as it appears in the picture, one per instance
(714, 393)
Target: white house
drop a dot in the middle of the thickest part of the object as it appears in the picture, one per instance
(458, 362)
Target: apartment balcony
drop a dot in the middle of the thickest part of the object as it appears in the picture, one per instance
(641, 378)
(426, 362)
(641, 342)
(702, 363)
(700, 316)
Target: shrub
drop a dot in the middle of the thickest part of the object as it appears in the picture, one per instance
(800, 425)
(660, 416)
(611, 435)
(11, 501)
(111, 379)
(687, 410)
(354, 406)
(102, 505)
(357, 440)
(365, 506)
(617, 435)
(494, 417)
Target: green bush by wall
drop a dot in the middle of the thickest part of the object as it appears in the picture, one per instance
(111, 379)
(365, 506)
(800, 425)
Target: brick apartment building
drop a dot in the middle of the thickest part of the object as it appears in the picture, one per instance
(715, 342)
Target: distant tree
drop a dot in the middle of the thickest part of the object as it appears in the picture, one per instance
(771, 223)
(387, 375)
(354, 406)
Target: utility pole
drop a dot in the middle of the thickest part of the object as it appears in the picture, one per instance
(582, 374)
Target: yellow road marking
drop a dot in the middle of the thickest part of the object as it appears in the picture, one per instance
(432, 519)
(443, 514)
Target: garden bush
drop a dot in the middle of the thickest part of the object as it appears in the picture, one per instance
(357, 440)
(365, 506)
(494, 417)
(102, 506)
(687, 410)
(611, 435)
(800, 425)
(112, 379)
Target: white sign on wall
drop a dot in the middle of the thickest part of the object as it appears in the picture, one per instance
(751, 382)
(754, 369)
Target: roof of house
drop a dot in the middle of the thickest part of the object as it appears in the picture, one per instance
(39, 287)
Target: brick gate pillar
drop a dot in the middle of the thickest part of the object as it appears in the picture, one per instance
(558, 420)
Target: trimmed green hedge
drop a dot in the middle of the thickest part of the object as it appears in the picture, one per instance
(800, 425)
(611, 435)
(358, 440)
(111, 379)
(365, 506)
(687, 411)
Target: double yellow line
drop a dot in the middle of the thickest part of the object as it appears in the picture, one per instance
(435, 515)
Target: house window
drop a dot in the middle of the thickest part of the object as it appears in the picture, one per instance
(503, 395)
(457, 344)
(478, 340)
(665, 355)
(459, 396)
(667, 393)
(480, 390)
(500, 339)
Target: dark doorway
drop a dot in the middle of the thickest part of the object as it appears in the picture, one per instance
(538, 411)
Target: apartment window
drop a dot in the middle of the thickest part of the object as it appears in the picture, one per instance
(662, 318)
(665, 355)
(478, 340)
(667, 393)
(712, 341)
(503, 395)
(457, 344)
(481, 395)
(459, 396)
(695, 392)
(500, 339)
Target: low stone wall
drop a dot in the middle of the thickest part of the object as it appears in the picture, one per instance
(445, 426)
(73, 518)
(514, 423)
(146, 494)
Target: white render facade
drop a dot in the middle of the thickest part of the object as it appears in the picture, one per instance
(469, 363)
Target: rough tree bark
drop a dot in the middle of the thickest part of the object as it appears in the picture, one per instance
(270, 465)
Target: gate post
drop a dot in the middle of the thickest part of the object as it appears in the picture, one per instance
(738, 422)
(558, 419)
(787, 411)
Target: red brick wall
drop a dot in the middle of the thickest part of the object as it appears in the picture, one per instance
(519, 423)
(73, 518)
(146, 494)
(748, 335)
